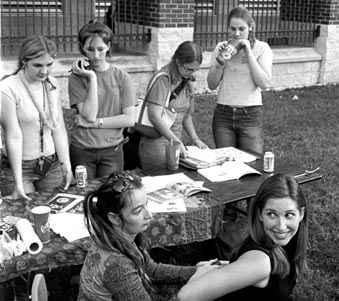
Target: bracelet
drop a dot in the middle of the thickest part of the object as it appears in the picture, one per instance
(219, 61)
(100, 122)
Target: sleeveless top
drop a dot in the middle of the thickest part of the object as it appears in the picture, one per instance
(277, 289)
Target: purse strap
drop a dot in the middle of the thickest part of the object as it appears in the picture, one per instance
(41, 119)
(149, 87)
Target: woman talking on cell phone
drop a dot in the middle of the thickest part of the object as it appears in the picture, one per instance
(240, 69)
(104, 99)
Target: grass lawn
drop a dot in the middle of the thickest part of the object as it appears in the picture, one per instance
(303, 133)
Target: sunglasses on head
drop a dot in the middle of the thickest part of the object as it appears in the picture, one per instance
(122, 182)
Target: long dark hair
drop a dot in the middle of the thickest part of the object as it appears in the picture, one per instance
(242, 13)
(112, 197)
(32, 48)
(91, 29)
(280, 186)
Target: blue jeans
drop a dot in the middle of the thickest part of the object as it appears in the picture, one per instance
(99, 162)
(239, 127)
(52, 179)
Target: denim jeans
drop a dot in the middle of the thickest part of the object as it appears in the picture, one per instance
(98, 162)
(52, 179)
(239, 127)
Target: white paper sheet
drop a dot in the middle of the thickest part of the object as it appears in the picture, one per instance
(174, 205)
(212, 155)
(158, 182)
(69, 225)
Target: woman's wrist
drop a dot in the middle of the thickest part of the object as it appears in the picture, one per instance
(220, 63)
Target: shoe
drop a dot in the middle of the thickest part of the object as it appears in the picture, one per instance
(39, 288)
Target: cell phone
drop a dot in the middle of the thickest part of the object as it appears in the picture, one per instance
(82, 64)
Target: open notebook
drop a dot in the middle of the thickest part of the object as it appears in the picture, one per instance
(231, 170)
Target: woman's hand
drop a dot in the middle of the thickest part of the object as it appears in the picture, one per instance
(80, 121)
(183, 150)
(79, 67)
(67, 174)
(225, 52)
(204, 267)
(18, 193)
(245, 44)
(200, 143)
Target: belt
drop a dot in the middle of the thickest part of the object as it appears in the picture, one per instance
(53, 158)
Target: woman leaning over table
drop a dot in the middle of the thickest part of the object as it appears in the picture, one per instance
(185, 61)
(104, 99)
(117, 265)
(268, 262)
(31, 109)
(238, 116)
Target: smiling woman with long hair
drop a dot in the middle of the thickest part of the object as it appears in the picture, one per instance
(268, 262)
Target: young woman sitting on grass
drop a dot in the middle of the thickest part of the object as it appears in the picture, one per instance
(268, 262)
(117, 266)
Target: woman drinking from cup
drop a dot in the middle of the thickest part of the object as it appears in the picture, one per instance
(30, 100)
(268, 262)
(118, 266)
(104, 99)
(174, 80)
(240, 68)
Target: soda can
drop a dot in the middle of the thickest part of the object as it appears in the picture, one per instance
(232, 48)
(81, 176)
(268, 162)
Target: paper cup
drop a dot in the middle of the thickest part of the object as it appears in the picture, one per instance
(41, 222)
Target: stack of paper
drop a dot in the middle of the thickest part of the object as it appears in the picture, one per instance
(203, 158)
(69, 225)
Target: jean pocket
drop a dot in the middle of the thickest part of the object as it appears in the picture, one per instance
(252, 116)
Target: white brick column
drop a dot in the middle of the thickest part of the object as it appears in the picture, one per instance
(164, 42)
(327, 44)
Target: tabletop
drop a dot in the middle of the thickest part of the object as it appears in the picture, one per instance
(200, 223)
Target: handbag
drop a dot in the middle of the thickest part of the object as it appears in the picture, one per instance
(143, 125)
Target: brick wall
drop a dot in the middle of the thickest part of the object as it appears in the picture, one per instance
(317, 11)
(156, 13)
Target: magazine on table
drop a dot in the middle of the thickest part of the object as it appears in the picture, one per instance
(65, 202)
(172, 198)
(231, 170)
(204, 158)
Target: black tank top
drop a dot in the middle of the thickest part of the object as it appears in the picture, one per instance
(277, 289)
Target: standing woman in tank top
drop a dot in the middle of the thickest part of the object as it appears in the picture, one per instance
(238, 116)
(30, 98)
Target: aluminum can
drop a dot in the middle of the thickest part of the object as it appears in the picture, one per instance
(268, 162)
(81, 176)
(232, 48)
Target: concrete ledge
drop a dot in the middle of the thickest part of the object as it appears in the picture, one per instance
(129, 63)
(295, 55)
